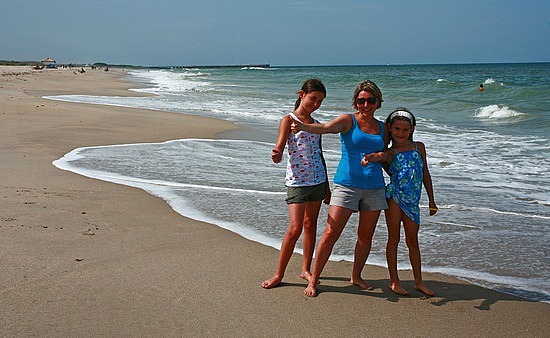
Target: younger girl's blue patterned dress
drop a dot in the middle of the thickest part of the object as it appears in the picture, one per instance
(405, 184)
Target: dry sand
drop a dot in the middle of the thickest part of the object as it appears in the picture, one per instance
(82, 257)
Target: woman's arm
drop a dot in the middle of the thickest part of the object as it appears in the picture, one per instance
(327, 183)
(341, 124)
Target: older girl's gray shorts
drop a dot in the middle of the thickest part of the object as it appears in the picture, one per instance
(305, 194)
(358, 199)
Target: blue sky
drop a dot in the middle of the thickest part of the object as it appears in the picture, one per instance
(282, 32)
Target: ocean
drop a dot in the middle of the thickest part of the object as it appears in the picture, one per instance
(488, 154)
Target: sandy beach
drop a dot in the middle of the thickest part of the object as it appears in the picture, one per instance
(82, 257)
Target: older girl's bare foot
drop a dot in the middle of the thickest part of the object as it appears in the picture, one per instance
(272, 282)
(311, 290)
(396, 287)
(360, 283)
(422, 288)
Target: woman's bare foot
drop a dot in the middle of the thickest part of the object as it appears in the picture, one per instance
(311, 290)
(422, 288)
(360, 283)
(396, 287)
(272, 282)
(307, 276)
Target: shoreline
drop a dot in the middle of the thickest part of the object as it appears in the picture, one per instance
(88, 256)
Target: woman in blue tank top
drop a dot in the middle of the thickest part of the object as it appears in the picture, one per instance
(357, 188)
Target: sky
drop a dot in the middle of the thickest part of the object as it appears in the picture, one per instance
(280, 33)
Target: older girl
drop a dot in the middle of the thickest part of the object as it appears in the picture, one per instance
(306, 179)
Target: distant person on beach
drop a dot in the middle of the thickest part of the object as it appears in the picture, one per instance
(306, 179)
(408, 170)
(481, 87)
(357, 188)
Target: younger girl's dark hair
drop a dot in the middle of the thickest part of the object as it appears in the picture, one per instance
(311, 85)
(401, 114)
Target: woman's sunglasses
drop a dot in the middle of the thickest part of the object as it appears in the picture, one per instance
(370, 100)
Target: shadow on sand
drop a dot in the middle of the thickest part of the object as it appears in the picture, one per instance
(446, 292)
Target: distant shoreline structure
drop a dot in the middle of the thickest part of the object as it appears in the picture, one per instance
(259, 65)
(103, 65)
(263, 65)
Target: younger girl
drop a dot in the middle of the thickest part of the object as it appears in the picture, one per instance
(306, 179)
(408, 170)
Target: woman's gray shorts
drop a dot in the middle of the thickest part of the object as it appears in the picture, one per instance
(358, 199)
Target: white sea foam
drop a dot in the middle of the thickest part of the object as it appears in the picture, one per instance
(500, 283)
(460, 225)
(116, 101)
(166, 82)
(165, 190)
(511, 213)
(182, 207)
(496, 112)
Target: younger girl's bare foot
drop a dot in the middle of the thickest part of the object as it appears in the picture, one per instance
(422, 288)
(311, 290)
(272, 282)
(360, 283)
(397, 288)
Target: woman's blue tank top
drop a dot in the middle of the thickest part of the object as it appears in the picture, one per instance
(355, 143)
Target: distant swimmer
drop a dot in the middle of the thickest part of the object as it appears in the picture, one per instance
(481, 87)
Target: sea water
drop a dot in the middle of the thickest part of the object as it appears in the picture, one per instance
(488, 154)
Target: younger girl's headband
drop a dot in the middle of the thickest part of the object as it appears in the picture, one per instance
(402, 113)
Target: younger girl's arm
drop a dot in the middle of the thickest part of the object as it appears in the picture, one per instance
(341, 124)
(427, 179)
(284, 130)
(381, 156)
